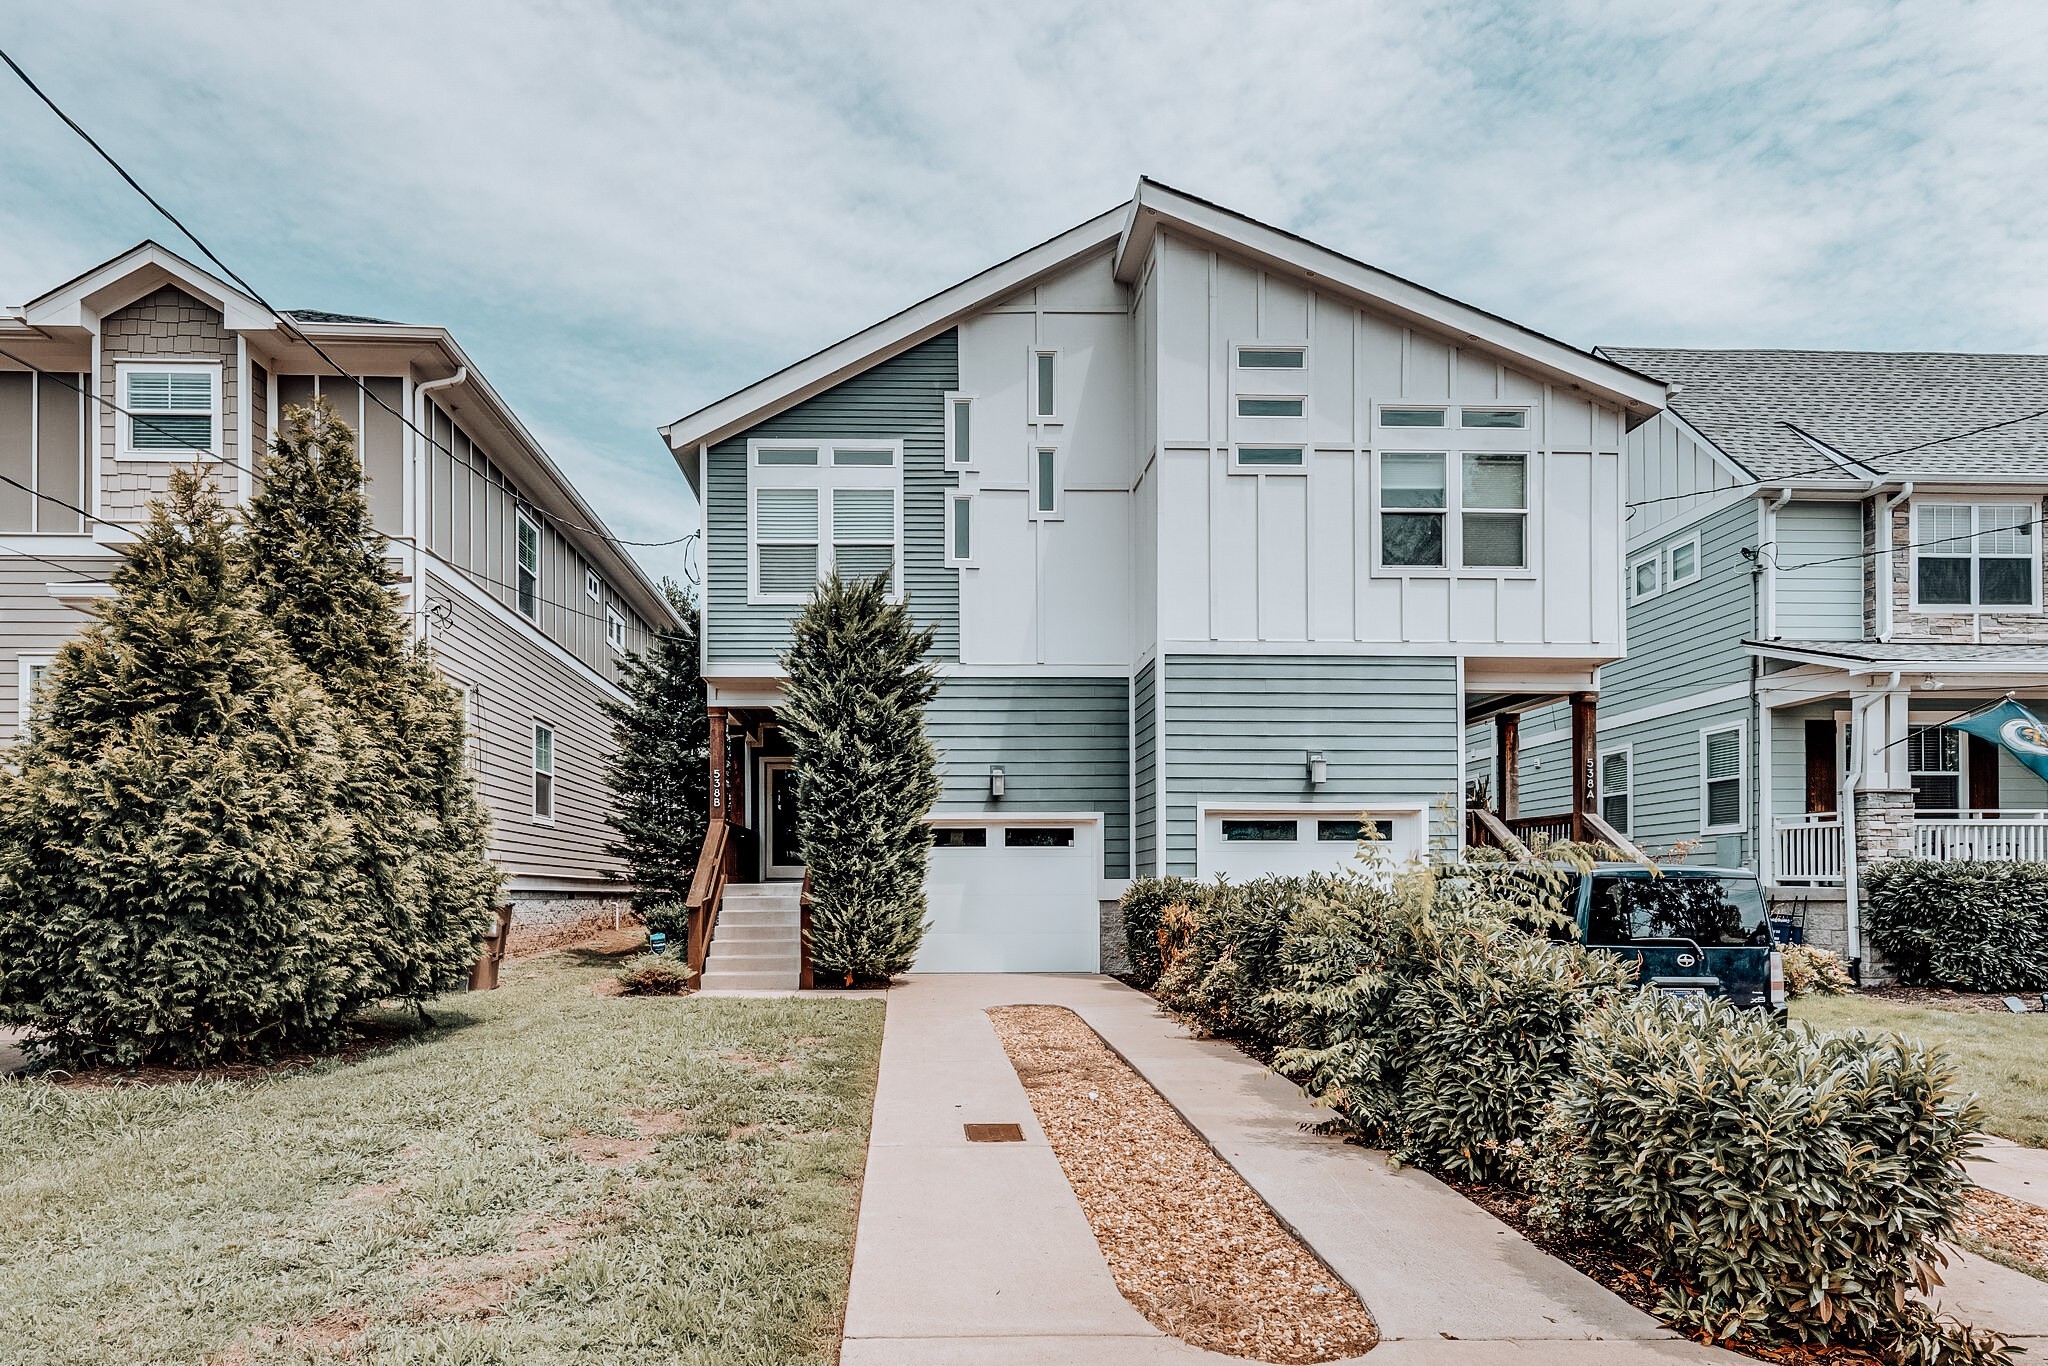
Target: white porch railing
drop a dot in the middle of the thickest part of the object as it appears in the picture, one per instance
(1987, 836)
(1809, 849)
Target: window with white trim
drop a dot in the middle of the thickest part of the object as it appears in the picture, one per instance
(819, 507)
(1045, 482)
(960, 530)
(1411, 417)
(1721, 795)
(526, 570)
(171, 411)
(1682, 562)
(1045, 385)
(543, 772)
(593, 586)
(1616, 787)
(615, 631)
(1491, 528)
(1413, 501)
(959, 429)
(1934, 765)
(1272, 405)
(1494, 418)
(32, 668)
(1976, 556)
(1646, 577)
(1270, 459)
(1265, 356)
(1494, 528)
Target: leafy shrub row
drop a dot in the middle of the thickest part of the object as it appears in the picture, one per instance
(1975, 926)
(1814, 972)
(1143, 905)
(1447, 1015)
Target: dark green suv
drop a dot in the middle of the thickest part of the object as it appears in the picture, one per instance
(1690, 931)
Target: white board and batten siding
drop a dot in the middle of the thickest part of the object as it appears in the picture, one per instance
(1674, 479)
(1292, 556)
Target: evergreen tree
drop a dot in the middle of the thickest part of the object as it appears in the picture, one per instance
(421, 833)
(660, 771)
(174, 852)
(866, 774)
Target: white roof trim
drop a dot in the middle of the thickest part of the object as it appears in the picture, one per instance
(134, 274)
(918, 323)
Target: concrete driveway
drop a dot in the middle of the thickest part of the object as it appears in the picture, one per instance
(979, 1253)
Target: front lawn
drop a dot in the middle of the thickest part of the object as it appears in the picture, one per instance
(547, 1175)
(2003, 1058)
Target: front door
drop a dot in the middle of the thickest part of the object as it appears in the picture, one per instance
(782, 856)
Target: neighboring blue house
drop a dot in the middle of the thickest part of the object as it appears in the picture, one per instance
(1226, 538)
(1829, 555)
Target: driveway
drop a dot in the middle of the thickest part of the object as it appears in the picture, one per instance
(979, 1253)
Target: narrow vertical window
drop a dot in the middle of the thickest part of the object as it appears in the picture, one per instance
(1047, 381)
(615, 631)
(963, 421)
(1721, 780)
(1045, 481)
(1614, 788)
(593, 586)
(543, 772)
(527, 579)
(962, 541)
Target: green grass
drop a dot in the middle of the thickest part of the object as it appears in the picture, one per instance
(2003, 1058)
(424, 1204)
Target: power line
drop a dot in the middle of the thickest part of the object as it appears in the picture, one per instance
(284, 318)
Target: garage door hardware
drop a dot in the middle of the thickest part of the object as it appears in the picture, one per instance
(994, 1133)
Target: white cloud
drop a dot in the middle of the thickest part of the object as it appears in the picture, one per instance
(625, 210)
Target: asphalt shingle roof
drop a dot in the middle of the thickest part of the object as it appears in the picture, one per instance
(1914, 652)
(315, 315)
(1905, 414)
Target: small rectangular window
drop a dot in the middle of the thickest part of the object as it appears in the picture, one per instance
(1492, 417)
(1614, 788)
(170, 410)
(593, 586)
(1412, 498)
(1269, 407)
(1038, 837)
(1271, 358)
(1496, 518)
(1644, 580)
(1046, 366)
(962, 535)
(786, 455)
(1683, 562)
(1261, 831)
(1351, 832)
(1411, 417)
(963, 421)
(959, 837)
(615, 631)
(863, 457)
(1721, 780)
(526, 585)
(543, 772)
(30, 679)
(1269, 457)
(1045, 481)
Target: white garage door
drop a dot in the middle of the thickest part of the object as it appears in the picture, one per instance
(1013, 898)
(1243, 845)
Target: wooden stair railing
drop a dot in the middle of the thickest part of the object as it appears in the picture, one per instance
(1495, 831)
(1599, 829)
(707, 889)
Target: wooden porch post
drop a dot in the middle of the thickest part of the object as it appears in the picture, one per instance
(1585, 752)
(721, 799)
(1507, 735)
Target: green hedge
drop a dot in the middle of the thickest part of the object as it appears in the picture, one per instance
(1143, 903)
(1792, 1184)
(1973, 926)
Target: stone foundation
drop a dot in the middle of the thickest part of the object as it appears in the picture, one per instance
(1822, 913)
(1114, 958)
(1884, 824)
(543, 920)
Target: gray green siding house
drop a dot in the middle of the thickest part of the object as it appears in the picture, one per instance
(1224, 538)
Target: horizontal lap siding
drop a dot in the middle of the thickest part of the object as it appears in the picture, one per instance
(1239, 728)
(1145, 780)
(518, 681)
(902, 398)
(1689, 639)
(1819, 554)
(35, 624)
(1063, 745)
(1665, 805)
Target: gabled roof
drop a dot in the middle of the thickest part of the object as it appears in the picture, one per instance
(1131, 227)
(1828, 415)
(137, 272)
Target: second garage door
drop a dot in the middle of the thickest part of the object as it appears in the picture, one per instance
(1013, 898)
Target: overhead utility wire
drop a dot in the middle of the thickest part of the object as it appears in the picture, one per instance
(290, 324)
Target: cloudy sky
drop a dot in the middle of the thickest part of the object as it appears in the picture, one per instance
(626, 210)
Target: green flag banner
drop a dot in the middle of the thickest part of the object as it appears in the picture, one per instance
(2013, 726)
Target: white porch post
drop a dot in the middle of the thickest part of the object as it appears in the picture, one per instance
(1766, 833)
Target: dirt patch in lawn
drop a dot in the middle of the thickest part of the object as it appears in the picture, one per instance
(2008, 1230)
(1941, 998)
(1189, 1243)
(480, 1287)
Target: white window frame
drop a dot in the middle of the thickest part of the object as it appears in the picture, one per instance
(593, 586)
(1237, 465)
(533, 755)
(615, 631)
(520, 521)
(1237, 413)
(124, 426)
(1057, 512)
(1654, 559)
(1669, 569)
(1528, 417)
(1453, 454)
(1292, 381)
(1053, 414)
(1919, 537)
(1627, 792)
(1380, 423)
(1741, 779)
(954, 401)
(26, 667)
(1527, 512)
(955, 498)
(823, 477)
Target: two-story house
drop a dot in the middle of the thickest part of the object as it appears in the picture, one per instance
(1225, 538)
(1830, 555)
(147, 361)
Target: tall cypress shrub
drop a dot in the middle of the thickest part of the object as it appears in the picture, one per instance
(421, 833)
(866, 775)
(175, 852)
(660, 772)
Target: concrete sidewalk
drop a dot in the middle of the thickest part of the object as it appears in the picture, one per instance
(979, 1253)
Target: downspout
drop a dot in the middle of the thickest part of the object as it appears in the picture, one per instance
(1884, 558)
(1851, 903)
(423, 479)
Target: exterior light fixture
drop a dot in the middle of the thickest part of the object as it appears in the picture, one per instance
(1318, 768)
(995, 782)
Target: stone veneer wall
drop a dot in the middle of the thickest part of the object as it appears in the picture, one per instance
(167, 325)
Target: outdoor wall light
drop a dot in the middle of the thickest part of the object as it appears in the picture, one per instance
(995, 783)
(1318, 768)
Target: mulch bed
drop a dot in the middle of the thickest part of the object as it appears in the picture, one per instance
(2011, 1230)
(1190, 1245)
(1941, 998)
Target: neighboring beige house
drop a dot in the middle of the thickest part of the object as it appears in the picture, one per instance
(529, 604)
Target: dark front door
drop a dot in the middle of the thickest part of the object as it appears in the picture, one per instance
(784, 855)
(1822, 780)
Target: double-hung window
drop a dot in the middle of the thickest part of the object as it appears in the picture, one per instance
(1976, 555)
(1491, 530)
(1413, 502)
(1495, 522)
(1615, 788)
(822, 507)
(169, 411)
(1934, 762)
(1721, 780)
(543, 772)
(526, 572)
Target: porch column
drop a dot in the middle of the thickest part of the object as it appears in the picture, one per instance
(721, 797)
(1507, 761)
(1585, 759)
